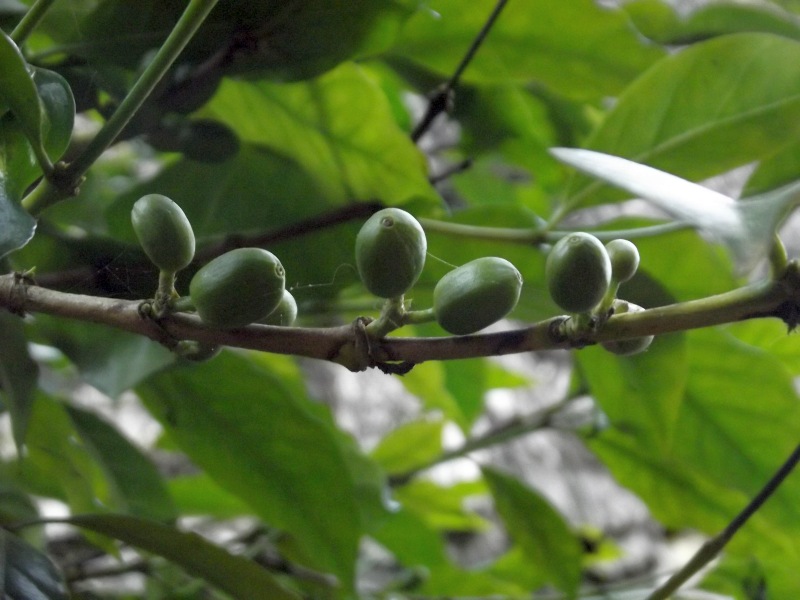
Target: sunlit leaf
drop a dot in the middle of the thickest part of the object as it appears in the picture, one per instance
(409, 446)
(746, 228)
(539, 530)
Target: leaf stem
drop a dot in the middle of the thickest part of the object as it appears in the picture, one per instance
(711, 549)
(442, 98)
(29, 22)
(537, 236)
(504, 433)
(184, 29)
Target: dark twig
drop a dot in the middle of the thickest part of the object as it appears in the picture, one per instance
(455, 169)
(442, 99)
(711, 549)
(349, 212)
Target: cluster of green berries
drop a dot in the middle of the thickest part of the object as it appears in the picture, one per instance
(582, 274)
(390, 253)
(240, 287)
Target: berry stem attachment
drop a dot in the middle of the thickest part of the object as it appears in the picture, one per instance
(392, 317)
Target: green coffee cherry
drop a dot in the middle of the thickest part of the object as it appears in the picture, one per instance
(196, 351)
(633, 345)
(475, 295)
(578, 272)
(390, 252)
(164, 232)
(624, 258)
(238, 288)
(284, 314)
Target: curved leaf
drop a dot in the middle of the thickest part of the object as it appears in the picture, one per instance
(256, 438)
(135, 483)
(236, 575)
(707, 109)
(18, 374)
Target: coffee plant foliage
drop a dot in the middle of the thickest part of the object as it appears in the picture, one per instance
(284, 125)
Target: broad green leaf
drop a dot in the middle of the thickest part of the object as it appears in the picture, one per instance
(18, 374)
(117, 364)
(200, 495)
(238, 576)
(660, 22)
(16, 505)
(642, 393)
(26, 573)
(563, 45)
(442, 507)
(338, 128)
(409, 446)
(135, 485)
(704, 110)
(53, 454)
(260, 441)
(427, 382)
(745, 227)
(539, 530)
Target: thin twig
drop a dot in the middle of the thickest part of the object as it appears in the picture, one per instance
(29, 22)
(499, 435)
(443, 97)
(711, 549)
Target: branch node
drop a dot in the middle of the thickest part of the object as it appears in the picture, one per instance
(18, 292)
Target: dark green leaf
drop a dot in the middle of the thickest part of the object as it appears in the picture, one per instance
(18, 92)
(26, 573)
(136, 486)
(236, 575)
(18, 374)
(539, 530)
(260, 441)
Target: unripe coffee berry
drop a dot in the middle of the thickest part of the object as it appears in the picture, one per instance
(390, 252)
(475, 295)
(631, 346)
(578, 272)
(624, 256)
(164, 232)
(238, 287)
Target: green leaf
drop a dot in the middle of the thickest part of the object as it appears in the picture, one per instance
(19, 94)
(26, 573)
(709, 108)
(200, 495)
(136, 486)
(259, 440)
(442, 507)
(18, 164)
(338, 128)
(116, 365)
(427, 382)
(409, 446)
(539, 530)
(18, 374)
(235, 575)
(563, 45)
(660, 22)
